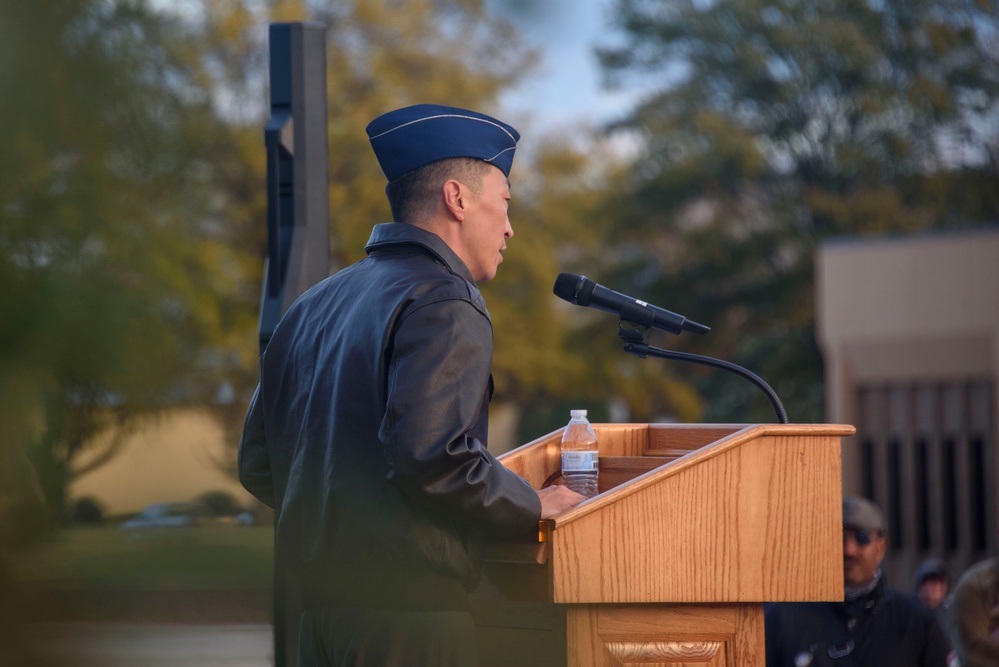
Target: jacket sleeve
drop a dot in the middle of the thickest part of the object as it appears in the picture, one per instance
(438, 375)
(253, 460)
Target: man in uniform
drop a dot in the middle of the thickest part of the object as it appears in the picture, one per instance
(367, 432)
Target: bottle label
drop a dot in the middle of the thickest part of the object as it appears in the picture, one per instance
(580, 461)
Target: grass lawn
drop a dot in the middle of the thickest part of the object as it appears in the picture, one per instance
(163, 559)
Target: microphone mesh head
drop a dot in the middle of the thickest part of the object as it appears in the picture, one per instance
(567, 286)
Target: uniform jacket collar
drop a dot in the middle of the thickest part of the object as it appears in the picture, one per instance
(388, 234)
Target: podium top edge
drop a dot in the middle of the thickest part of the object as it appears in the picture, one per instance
(787, 429)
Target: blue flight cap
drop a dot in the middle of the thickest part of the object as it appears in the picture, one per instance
(413, 137)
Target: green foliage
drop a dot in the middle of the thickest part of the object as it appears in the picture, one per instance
(86, 510)
(106, 233)
(770, 126)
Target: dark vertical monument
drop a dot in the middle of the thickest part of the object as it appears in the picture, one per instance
(298, 233)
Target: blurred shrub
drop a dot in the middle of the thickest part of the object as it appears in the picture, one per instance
(87, 510)
(222, 503)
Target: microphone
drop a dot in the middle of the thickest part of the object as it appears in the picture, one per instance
(582, 291)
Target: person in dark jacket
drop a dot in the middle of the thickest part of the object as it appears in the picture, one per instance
(367, 431)
(931, 586)
(873, 627)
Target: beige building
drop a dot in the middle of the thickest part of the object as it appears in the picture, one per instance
(909, 329)
(175, 458)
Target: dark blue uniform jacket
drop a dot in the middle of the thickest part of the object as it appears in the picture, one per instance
(367, 431)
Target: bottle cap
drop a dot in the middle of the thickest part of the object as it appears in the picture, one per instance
(577, 414)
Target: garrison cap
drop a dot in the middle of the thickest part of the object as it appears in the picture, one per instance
(413, 137)
(862, 514)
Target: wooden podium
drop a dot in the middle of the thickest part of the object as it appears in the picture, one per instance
(694, 528)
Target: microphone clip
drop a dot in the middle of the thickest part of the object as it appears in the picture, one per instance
(634, 324)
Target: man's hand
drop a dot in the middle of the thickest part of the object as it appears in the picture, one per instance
(557, 499)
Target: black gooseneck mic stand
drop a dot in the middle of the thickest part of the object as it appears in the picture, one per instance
(633, 329)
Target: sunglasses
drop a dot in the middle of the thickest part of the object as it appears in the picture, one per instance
(861, 537)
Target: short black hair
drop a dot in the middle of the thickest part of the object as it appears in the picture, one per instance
(413, 195)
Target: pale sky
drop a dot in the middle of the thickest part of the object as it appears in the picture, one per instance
(565, 88)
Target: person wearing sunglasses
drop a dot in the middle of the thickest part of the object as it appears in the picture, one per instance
(874, 626)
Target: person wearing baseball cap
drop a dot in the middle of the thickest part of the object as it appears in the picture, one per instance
(864, 544)
(931, 586)
(874, 626)
(367, 432)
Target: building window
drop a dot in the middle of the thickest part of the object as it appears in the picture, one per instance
(924, 534)
(927, 456)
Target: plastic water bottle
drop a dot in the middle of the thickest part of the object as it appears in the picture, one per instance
(580, 463)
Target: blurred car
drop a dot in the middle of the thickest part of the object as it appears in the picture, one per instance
(245, 519)
(170, 515)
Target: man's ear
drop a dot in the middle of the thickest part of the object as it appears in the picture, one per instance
(454, 194)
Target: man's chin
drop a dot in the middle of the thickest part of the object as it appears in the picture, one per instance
(855, 580)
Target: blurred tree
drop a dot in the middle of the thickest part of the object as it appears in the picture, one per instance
(770, 126)
(108, 235)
